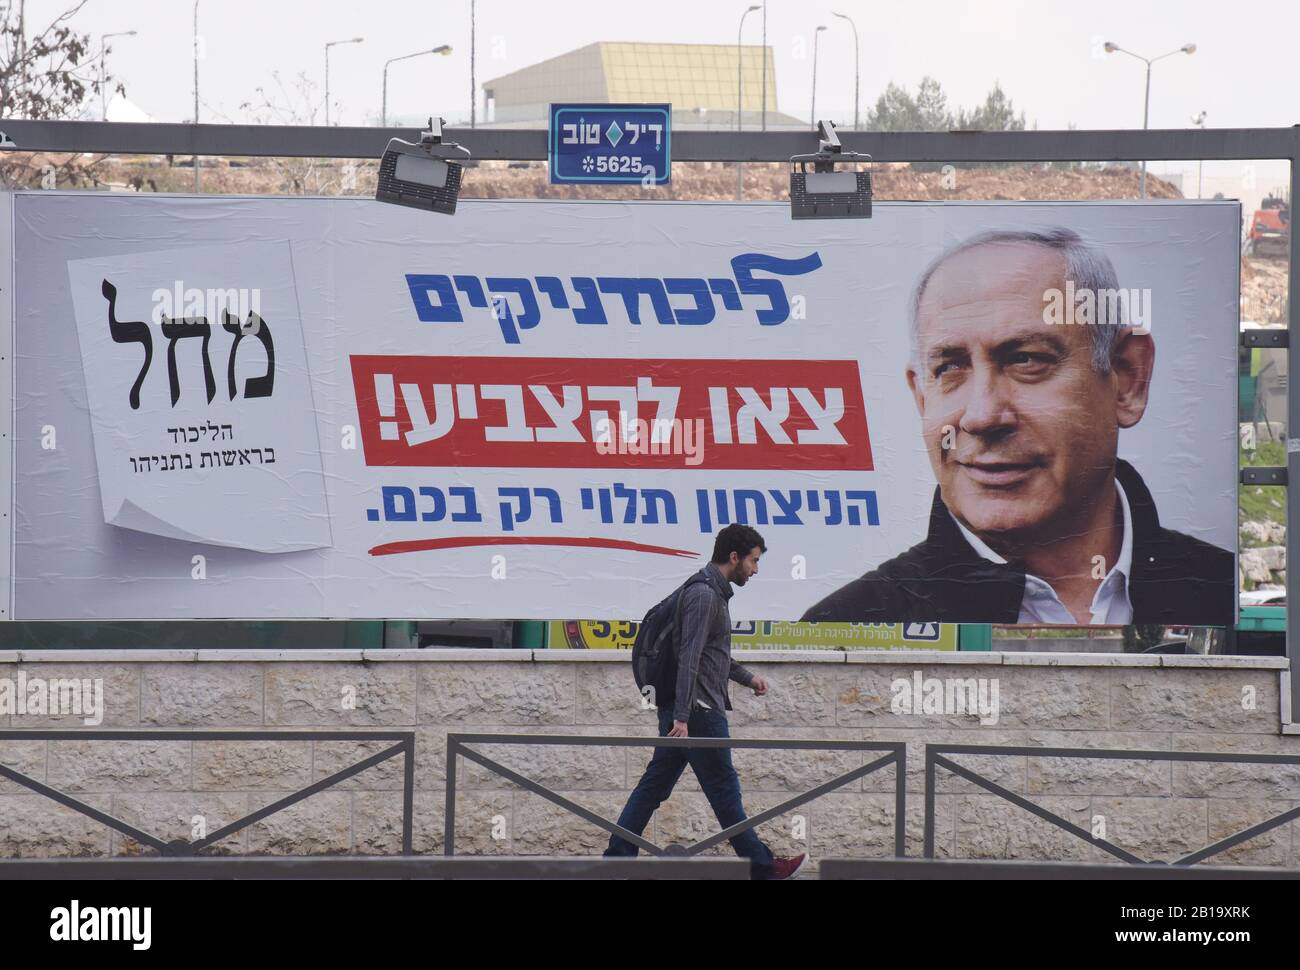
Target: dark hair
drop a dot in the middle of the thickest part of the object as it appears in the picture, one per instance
(737, 538)
(1088, 268)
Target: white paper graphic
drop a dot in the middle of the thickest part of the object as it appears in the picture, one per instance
(200, 398)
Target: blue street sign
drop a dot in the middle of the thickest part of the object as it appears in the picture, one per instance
(610, 143)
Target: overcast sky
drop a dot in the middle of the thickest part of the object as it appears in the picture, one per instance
(1045, 53)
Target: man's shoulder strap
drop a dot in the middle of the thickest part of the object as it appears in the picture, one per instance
(692, 580)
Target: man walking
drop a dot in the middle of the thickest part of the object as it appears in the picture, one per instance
(699, 707)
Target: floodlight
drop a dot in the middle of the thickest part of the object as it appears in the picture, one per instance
(823, 192)
(423, 176)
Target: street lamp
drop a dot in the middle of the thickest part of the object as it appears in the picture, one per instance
(857, 56)
(1198, 120)
(740, 105)
(196, 87)
(765, 65)
(333, 43)
(1146, 104)
(103, 49)
(383, 111)
(473, 83)
(816, 36)
(740, 102)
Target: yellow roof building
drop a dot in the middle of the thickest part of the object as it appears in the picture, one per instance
(700, 81)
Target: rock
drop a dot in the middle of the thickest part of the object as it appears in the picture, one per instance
(1274, 557)
(1253, 567)
(1254, 532)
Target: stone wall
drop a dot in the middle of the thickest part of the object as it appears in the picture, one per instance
(177, 789)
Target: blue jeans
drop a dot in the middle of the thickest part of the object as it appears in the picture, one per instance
(713, 768)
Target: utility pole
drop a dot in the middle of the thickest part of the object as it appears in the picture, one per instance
(103, 52)
(1110, 48)
(333, 43)
(196, 87)
(473, 84)
(764, 65)
(857, 60)
(22, 50)
(740, 99)
(1198, 119)
(816, 35)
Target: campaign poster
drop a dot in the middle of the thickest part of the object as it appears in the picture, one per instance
(282, 408)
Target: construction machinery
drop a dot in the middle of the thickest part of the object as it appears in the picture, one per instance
(1270, 228)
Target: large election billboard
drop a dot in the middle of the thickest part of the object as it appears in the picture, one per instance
(959, 412)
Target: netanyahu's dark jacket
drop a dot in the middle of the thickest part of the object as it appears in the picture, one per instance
(1175, 579)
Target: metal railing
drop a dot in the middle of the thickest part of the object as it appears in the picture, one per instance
(458, 746)
(934, 759)
(404, 746)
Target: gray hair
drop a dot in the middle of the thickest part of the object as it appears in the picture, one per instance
(1087, 267)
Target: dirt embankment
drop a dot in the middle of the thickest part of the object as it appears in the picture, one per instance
(1263, 281)
(717, 181)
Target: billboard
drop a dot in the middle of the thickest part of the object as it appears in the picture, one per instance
(284, 408)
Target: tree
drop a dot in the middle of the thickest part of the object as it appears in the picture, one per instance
(50, 75)
(932, 106)
(897, 110)
(997, 113)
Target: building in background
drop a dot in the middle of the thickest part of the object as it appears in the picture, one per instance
(698, 80)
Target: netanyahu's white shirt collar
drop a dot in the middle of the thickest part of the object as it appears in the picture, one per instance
(1110, 604)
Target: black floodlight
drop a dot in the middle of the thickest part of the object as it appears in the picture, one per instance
(824, 192)
(423, 176)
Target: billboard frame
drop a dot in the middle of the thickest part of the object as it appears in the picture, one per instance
(1170, 144)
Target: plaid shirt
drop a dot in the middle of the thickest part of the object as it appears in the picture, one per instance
(704, 663)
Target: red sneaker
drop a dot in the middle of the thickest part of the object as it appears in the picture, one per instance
(788, 867)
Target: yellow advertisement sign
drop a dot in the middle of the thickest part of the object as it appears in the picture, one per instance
(768, 635)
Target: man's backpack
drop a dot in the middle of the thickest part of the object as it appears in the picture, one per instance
(654, 652)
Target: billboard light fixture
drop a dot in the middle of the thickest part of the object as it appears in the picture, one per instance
(423, 176)
(825, 192)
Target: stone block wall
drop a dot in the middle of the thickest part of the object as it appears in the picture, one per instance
(180, 789)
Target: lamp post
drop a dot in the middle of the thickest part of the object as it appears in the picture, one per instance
(196, 87)
(740, 104)
(740, 99)
(857, 61)
(1198, 120)
(1146, 104)
(103, 49)
(765, 65)
(444, 49)
(816, 36)
(333, 43)
(473, 84)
